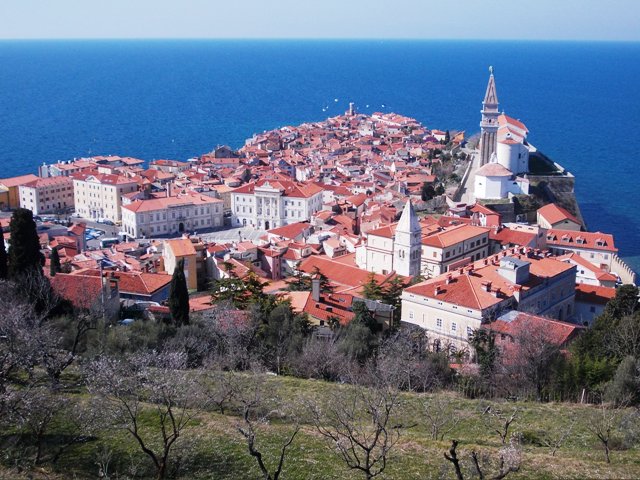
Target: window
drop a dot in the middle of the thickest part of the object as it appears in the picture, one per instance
(439, 322)
(411, 314)
(592, 309)
(454, 326)
(469, 331)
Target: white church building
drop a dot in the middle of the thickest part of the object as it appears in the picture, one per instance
(412, 248)
(504, 151)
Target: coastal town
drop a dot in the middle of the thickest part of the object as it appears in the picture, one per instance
(473, 233)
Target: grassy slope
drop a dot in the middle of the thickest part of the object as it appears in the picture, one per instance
(216, 450)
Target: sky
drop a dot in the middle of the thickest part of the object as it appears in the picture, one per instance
(608, 20)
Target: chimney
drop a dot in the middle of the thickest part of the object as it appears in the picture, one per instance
(437, 290)
(315, 289)
(497, 292)
(168, 189)
(487, 286)
(449, 278)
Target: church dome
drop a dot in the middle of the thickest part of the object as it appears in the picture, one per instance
(493, 170)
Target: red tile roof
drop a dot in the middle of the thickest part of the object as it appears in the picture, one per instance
(516, 324)
(139, 283)
(180, 247)
(594, 294)
(17, 181)
(581, 240)
(553, 214)
(469, 289)
(83, 291)
(493, 170)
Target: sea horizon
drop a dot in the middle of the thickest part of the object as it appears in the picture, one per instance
(178, 98)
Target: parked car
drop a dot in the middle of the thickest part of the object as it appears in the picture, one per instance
(105, 221)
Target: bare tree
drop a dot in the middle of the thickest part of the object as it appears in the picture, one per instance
(40, 411)
(555, 439)
(361, 422)
(498, 421)
(442, 415)
(509, 461)
(604, 423)
(233, 337)
(625, 339)
(320, 359)
(219, 387)
(528, 362)
(259, 405)
(152, 383)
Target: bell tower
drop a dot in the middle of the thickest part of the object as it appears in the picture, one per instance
(407, 245)
(489, 122)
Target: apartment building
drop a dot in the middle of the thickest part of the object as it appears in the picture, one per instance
(47, 195)
(99, 195)
(185, 212)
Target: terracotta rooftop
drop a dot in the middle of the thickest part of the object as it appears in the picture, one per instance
(493, 170)
(17, 181)
(180, 247)
(586, 240)
(553, 214)
(469, 289)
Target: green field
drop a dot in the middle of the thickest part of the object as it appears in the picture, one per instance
(212, 448)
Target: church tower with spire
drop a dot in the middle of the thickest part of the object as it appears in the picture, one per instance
(489, 122)
(407, 245)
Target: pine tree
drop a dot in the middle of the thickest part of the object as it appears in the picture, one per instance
(179, 296)
(3, 258)
(299, 282)
(54, 263)
(24, 255)
(325, 283)
(427, 192)
(372, 289)
(391, 296)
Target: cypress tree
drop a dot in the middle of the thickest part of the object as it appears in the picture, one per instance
(24, 255)
(179, 296)
(54, 263)
(3, 258)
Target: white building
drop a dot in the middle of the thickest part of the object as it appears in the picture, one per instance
(47, 195)
(409, 248)
(268, 204)
(185, 212)
(452, 306)
(99, 195)
(512, 149)
(494, 181)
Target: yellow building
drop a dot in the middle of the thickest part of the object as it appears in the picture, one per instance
(183, 248)
(9, 190)
(99, 195)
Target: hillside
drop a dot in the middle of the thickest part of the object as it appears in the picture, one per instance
(212, 447)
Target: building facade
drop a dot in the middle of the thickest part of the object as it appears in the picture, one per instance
(269, 204)
(47, 195)
(185, 212)
(99, 195)
(452, 306)
(440, 249)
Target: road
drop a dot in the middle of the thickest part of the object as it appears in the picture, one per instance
(467, 191)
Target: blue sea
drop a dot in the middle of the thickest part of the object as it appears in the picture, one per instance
(178, 99)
